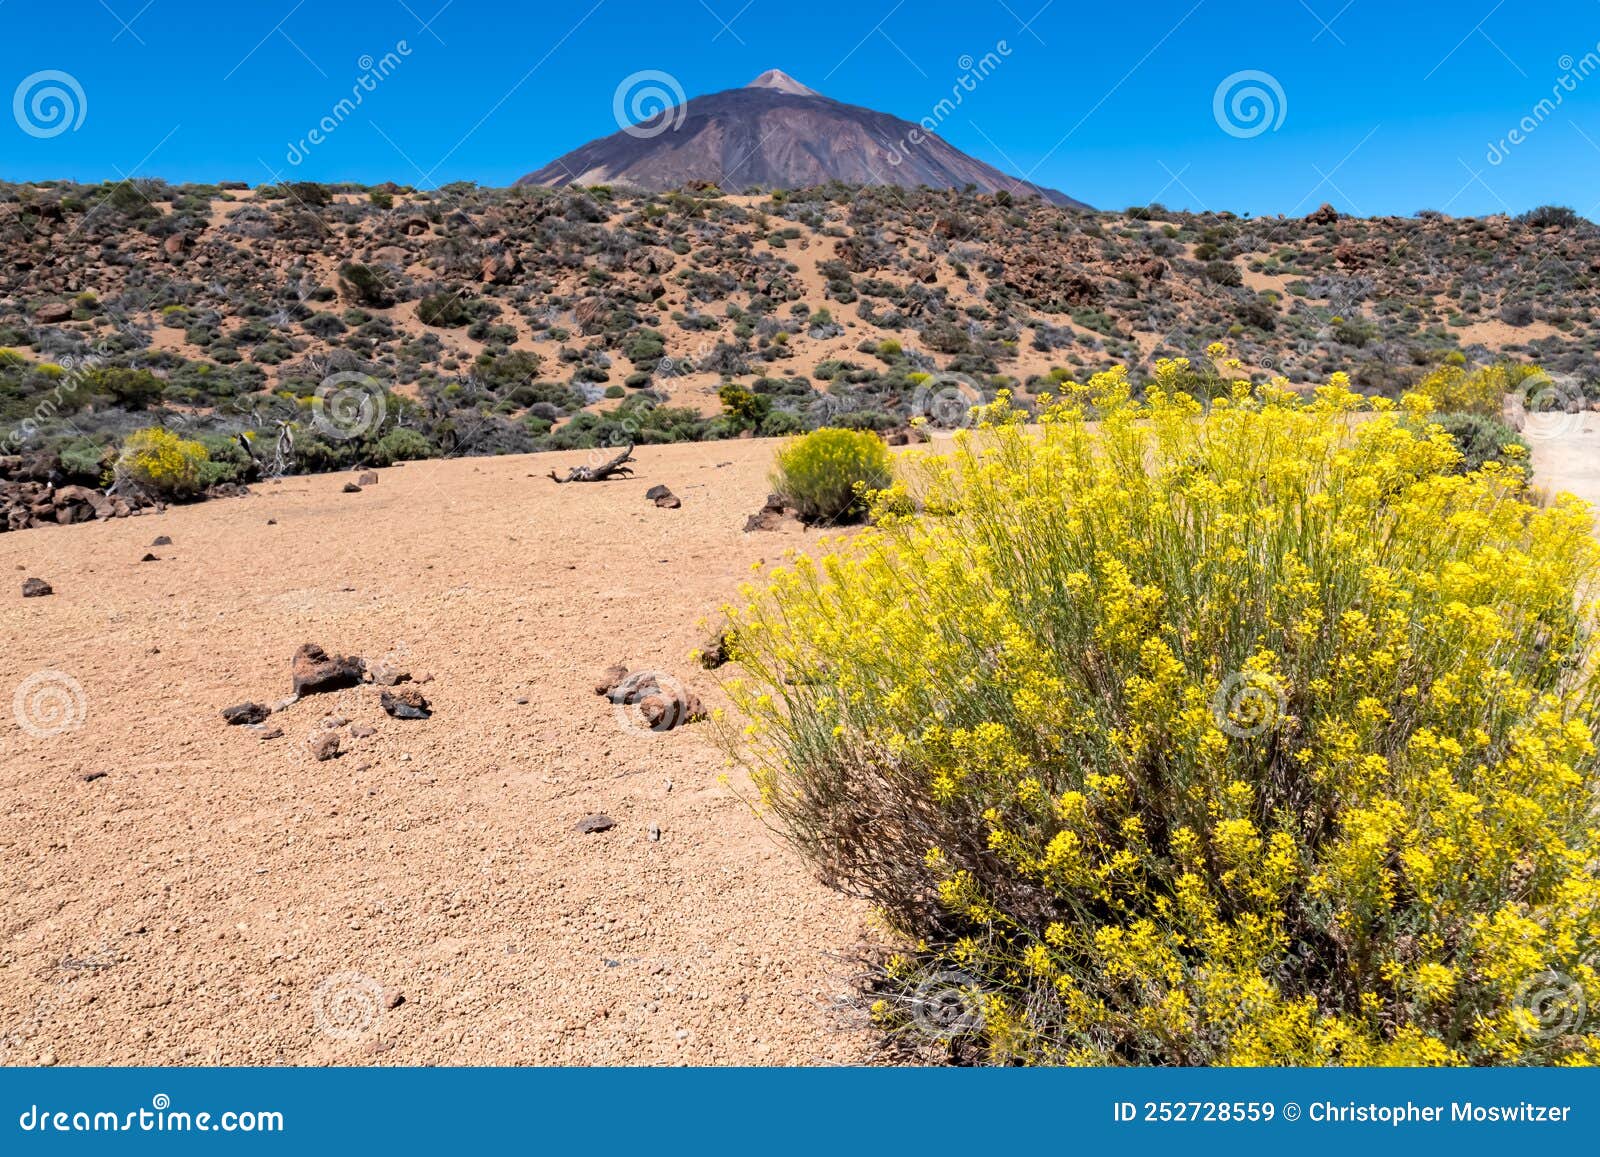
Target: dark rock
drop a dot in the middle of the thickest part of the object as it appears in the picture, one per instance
(715, 653)
(351, 488)
(162, 540)
(313, 670)
(246, 712)
(36, 588)
(270, 733)
(610, 679)
(90, 777)
(406, 703)
(149, 558)
(663, 497)
(599, 822)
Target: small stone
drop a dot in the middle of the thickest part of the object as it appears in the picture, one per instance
(655, 833)
(246, 712)
(335, 721)
(386, 674)
(285, 704)
(149, 558)
(324, 745)
(599, 822)
(351, 488)
(36, 588)
(362, 731)
(406, 703)
(91, 776)
(368, 478)
(270, 733)
(162, 540)
(272, 522)
(393, 998)
(610, 679)
(521, 700)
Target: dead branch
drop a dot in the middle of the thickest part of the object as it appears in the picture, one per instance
(616, 468)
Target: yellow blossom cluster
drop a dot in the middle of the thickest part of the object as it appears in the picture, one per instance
(1249, 732)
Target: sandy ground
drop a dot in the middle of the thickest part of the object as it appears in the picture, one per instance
(217, 898)
(212, 892)
(1566, 452)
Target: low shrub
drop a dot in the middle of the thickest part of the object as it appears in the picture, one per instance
(162, 462)
(401, 444)
(1483, 440)
(826, 474)
(1250, 735)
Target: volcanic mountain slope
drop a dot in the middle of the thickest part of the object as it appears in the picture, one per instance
(776, 133)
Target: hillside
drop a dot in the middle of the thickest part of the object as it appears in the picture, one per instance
(476, 321)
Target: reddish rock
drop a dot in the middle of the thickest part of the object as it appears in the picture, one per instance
(313, 670)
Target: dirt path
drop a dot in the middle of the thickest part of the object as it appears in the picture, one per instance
(1566, 453)
(188, 906)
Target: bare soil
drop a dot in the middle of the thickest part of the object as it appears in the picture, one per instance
(207, 897)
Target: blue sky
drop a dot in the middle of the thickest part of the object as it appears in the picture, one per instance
(1385, 107)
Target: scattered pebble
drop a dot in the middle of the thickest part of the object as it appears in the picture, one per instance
(599, 822)
(324, 745)
(406, 703)
(246, 712)
(36, 588)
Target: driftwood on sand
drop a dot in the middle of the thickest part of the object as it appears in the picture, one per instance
(616, 468)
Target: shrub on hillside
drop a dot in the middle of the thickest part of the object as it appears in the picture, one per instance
(1250, 735)
(162, 462)
(825, 475)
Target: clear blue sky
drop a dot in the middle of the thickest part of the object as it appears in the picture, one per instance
(1386, 107)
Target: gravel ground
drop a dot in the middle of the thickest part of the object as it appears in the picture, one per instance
(217, 898)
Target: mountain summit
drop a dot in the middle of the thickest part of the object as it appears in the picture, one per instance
(773, 133)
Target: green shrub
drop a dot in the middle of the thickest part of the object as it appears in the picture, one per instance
(1481, 439)
(824, 474)
(401, 444)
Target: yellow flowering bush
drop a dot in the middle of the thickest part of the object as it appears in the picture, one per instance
(162, 462)
(1249, 734)
(1453, 389)
(822, 474)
